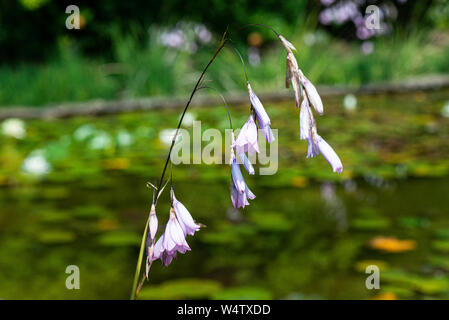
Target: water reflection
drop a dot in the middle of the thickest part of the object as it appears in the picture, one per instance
(311, 242)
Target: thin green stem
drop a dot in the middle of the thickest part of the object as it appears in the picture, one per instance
(139, 261)
(198, 83)
(158, 188)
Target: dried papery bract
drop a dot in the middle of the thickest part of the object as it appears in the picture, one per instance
(311, 98)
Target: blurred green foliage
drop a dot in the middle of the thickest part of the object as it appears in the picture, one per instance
(42, 22)
(156, 70)
(118, 53)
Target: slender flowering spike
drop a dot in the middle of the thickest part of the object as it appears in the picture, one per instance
(185, 220)
(261, 114)
(153, 223)
(246, 163)
(174, 238)
(330, 155)
(304, 120)
(247, 138)
(313, 95)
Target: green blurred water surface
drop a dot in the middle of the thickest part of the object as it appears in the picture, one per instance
(308, 234)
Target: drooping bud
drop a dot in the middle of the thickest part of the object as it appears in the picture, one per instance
(153, 223)
(330, 155)
(261, 114)
(247, 138)
(312, 94)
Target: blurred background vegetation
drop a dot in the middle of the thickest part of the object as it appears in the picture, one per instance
(122, 45)
(72, 191)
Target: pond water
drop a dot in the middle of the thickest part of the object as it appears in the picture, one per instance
(308, 234)
(311, 242)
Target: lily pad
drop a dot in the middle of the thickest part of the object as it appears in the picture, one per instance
(120, 238)
(56, 236)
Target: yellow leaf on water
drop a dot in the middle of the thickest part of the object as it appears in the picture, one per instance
(391, 244)
(299, 182)
(362, 265)
(385, 296)
(3, 180)
(116, 164)
(107, 224)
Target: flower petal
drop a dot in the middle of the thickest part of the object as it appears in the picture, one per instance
(262, 115)
(287, 44)
(330, 155)
(314, 97)
(304, 120)
(246, 163)
(185, 219)
(158, 249)
(268, 133)
(312, 147)
(247, 139)
(237, 176)
(153, 223)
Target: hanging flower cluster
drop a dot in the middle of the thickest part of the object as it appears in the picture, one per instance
(306, 98)
(173, 240)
